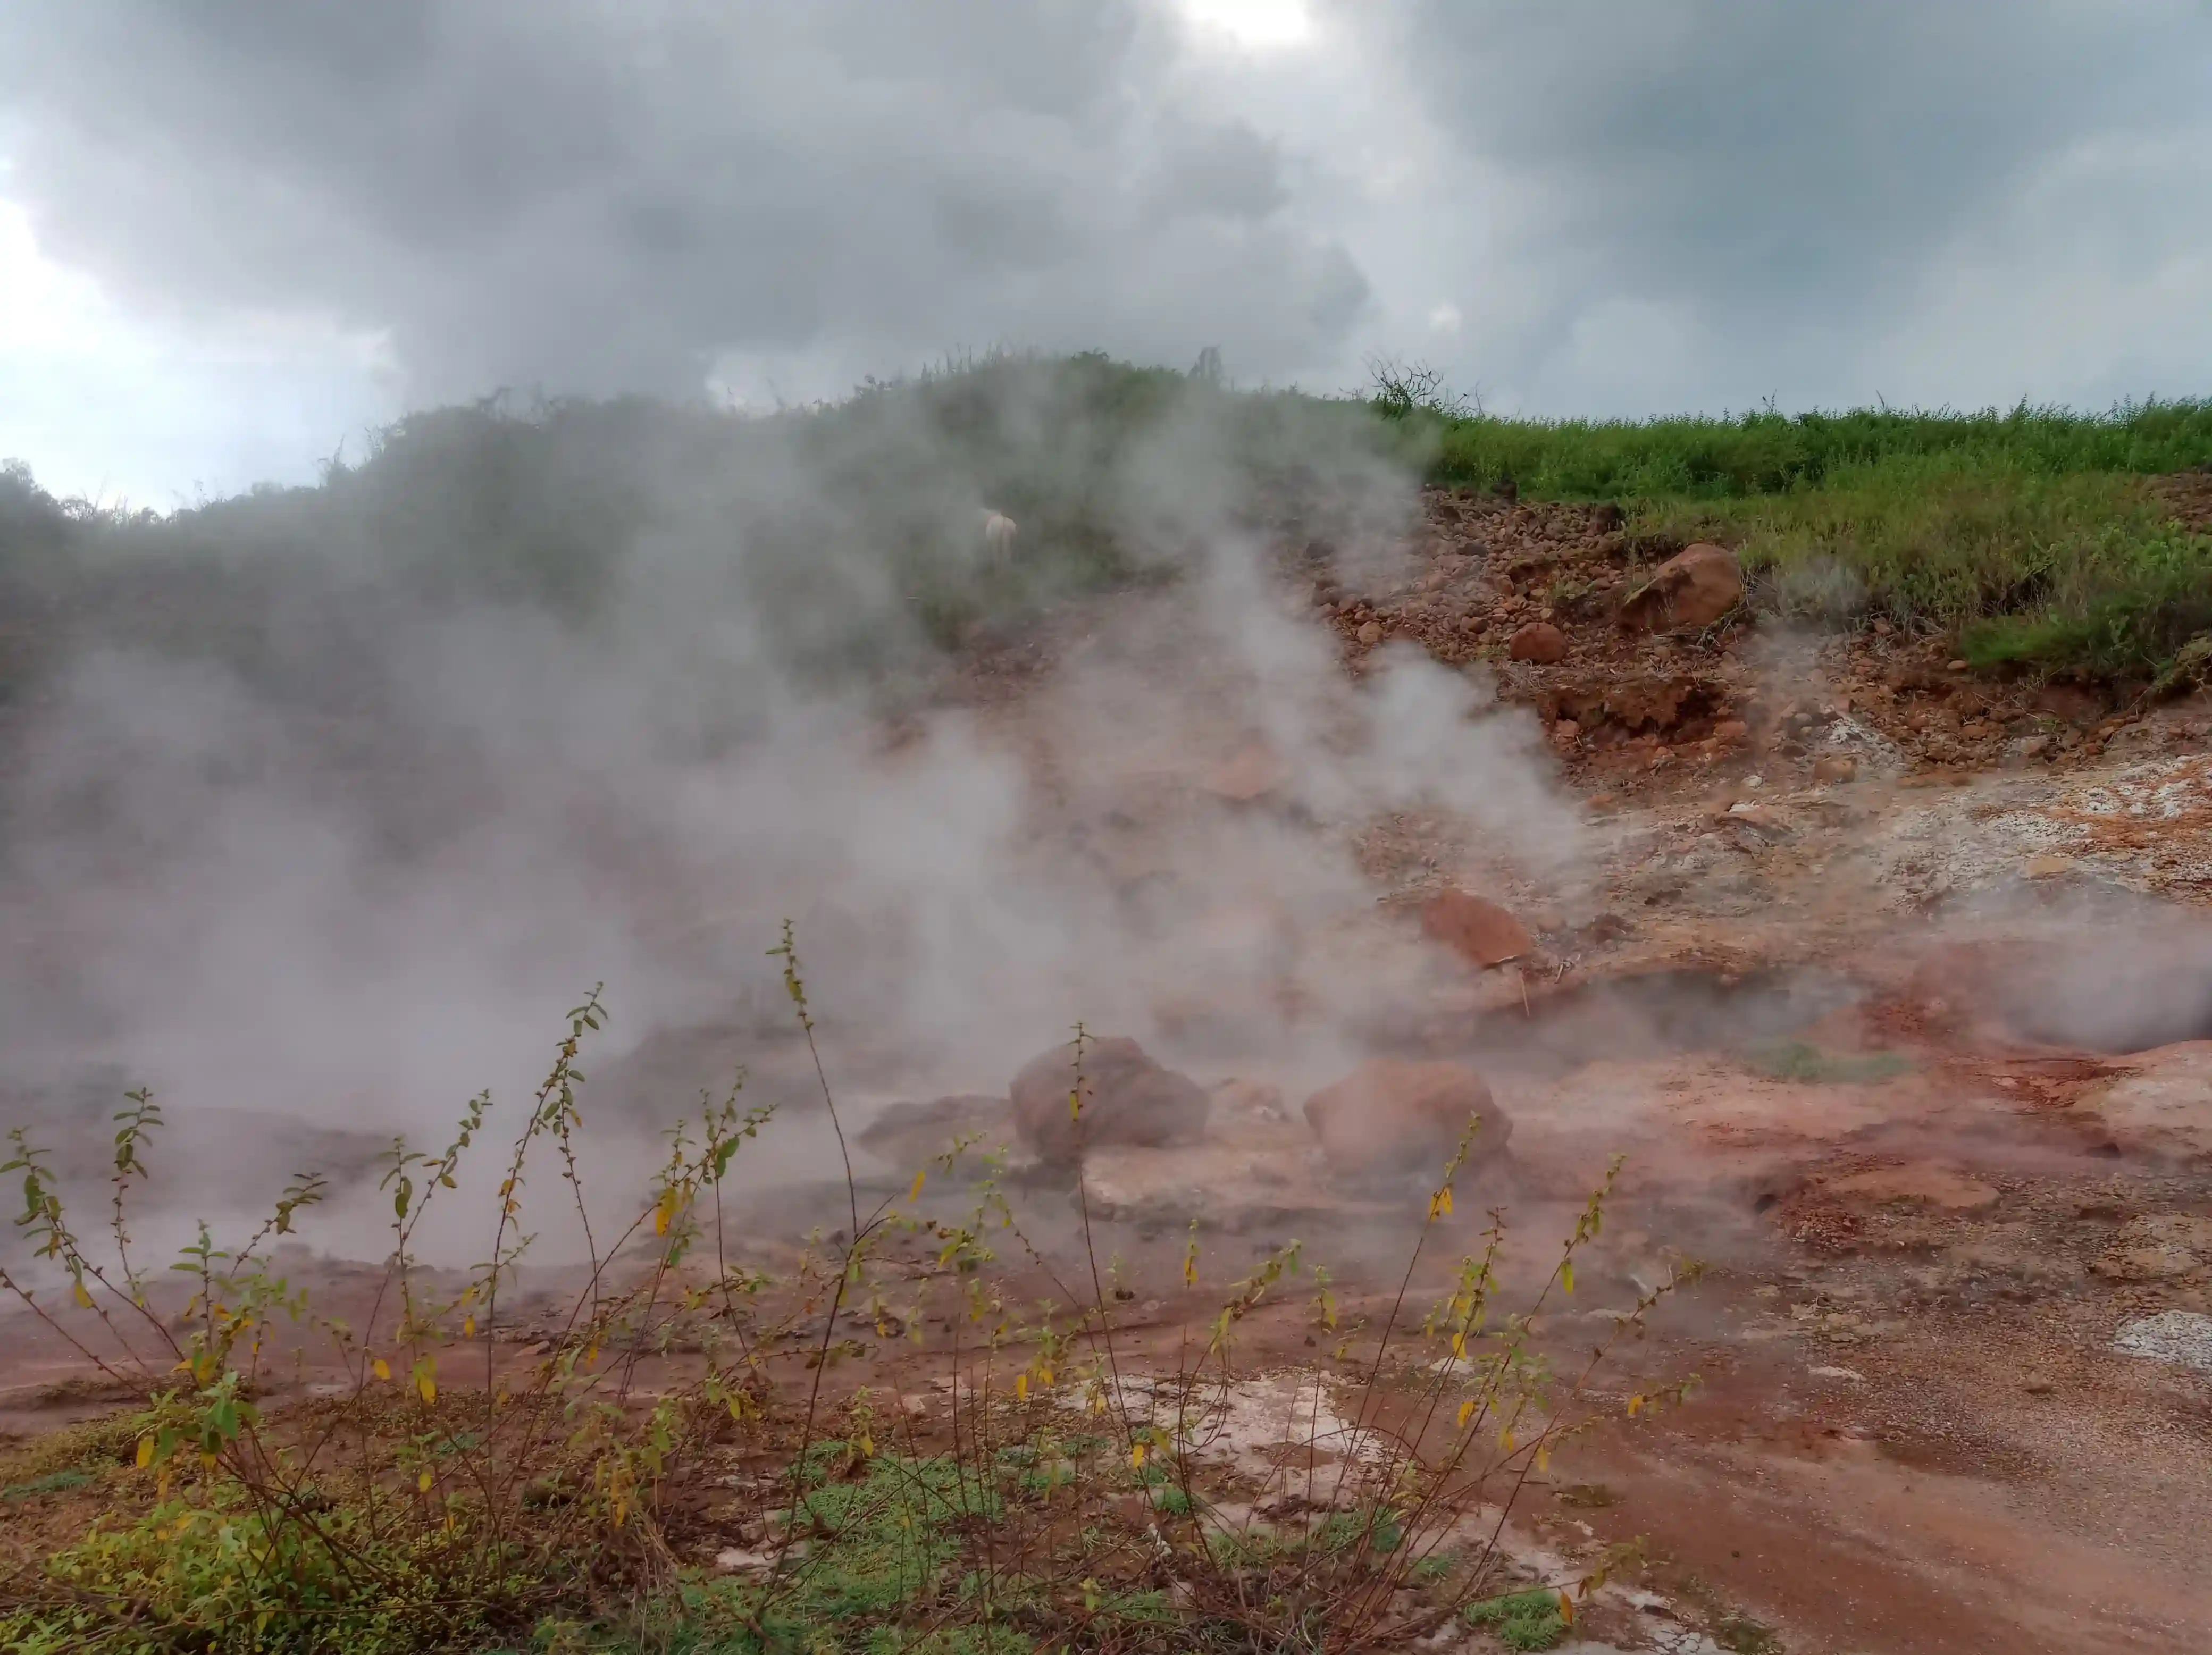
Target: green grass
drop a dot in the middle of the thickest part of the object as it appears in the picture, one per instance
(2082, 569)
(1522, 1620)
(1700, 458)
(2030, 535)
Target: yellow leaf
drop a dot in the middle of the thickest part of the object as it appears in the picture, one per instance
(1567, 1276)
(1137, 1456)
(1566, 1609)
(468, 1327)
(1466, 1412)
(1459, 1345)
(145, 1453)
(914, 1194)
(1044, 1376)
(1506, 1441)
(665, 1211)
(381, 1369)
(1021, 1387)
(1544, 1458)
(422, 1483)
(1635, 1406)
(82, 1297)
(1440, 1203)
(426, 1383)
(867, 1446)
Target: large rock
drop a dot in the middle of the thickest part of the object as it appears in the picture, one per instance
(1480, 932)
(1392, 1117)
(908, 1135)
(1693, 588)
(1126, 1098)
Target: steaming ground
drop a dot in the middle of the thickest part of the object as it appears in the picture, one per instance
(322, 814)
(1911, 1050)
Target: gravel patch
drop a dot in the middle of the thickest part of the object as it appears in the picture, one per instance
(2180, 1336)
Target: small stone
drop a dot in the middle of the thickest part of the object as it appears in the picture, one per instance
(2024, 751)
(1730, 730)
(2046, 867)
(1539, 642)
(1566, 732)
(1835, 768)
(1954, 666)
(1371, 633)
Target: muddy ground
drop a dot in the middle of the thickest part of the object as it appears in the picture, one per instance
(1894, 984)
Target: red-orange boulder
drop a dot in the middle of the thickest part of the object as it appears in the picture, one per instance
(1392, 1117)
(1480, 932)
(1693, 588)
(1125, 1097)
(1252, 770)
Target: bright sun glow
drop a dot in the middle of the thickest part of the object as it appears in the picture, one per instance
(1254, 23)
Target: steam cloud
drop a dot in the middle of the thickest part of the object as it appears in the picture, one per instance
(344, 852)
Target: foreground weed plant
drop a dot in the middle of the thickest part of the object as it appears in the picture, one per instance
(448, 1497)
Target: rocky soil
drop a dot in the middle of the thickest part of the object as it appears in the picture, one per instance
(1892, 982)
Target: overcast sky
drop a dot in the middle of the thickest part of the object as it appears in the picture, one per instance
(235, 233)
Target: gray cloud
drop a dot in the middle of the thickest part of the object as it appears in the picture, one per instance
(1581, 208)
(597, 196)
(1790, 181)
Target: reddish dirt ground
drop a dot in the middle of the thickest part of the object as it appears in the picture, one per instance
(1889, 985)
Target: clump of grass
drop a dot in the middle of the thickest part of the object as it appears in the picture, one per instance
(1522, 1620)
(53, 1483)
(1741, 1634)
(2050, 570)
